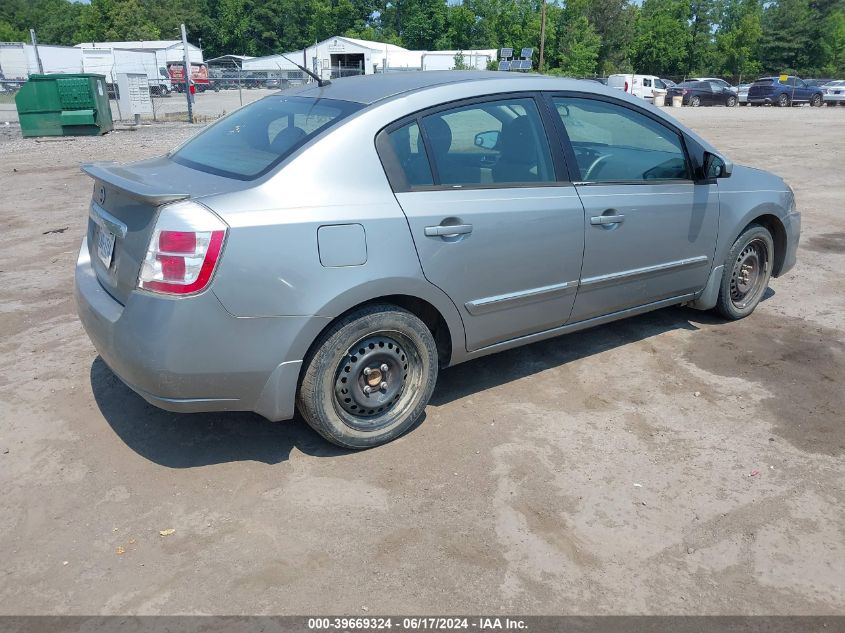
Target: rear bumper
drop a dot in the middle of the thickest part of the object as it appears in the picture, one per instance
(834, 98)
(189, 354)
(762, 100)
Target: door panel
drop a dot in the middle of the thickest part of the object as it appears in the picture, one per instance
(662, 248)
(516, 271)
(650, 231)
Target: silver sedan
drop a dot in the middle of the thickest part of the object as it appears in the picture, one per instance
(834, 93)
(331, 247)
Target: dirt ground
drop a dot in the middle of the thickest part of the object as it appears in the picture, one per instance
(609, 471)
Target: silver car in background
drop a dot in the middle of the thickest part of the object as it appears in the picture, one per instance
(833, 92)
(330, 248)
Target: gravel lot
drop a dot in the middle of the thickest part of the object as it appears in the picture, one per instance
(609, 471)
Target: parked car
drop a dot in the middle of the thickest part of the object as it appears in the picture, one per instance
(702, 93)
(817, 82)
(834, 92)
(720, 82)
(642, 86)
(742, 93)
(228, 275)
(772, 91)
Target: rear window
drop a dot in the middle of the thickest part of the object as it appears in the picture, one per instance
(251, 141)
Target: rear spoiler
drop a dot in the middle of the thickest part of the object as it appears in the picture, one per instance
(129, 183)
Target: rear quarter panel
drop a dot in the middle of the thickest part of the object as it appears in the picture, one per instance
(271, 265)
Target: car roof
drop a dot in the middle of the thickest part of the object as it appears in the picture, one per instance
(368, 89)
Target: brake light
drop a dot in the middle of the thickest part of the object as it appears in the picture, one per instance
(184, 250)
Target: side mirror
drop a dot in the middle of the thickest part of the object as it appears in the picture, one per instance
(716, 166)
(487, 140)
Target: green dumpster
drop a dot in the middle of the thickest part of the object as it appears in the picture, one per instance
(64, 105)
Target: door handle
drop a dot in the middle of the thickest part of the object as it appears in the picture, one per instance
(607, 219)
(448, 230)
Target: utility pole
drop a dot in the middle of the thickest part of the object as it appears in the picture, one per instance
(35, 46)
(542, 35)
(187, 74)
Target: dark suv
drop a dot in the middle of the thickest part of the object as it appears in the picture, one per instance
(773, 91)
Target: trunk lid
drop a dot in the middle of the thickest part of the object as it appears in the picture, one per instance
(124, 207)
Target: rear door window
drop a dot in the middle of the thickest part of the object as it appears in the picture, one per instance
(409, 153)
(489, 143)
(613, 143)
(252, 140)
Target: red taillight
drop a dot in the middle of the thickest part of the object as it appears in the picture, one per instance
(177, 242)
(184, 250)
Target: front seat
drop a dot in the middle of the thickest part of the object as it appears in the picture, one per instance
(287, 138)
(518, 153)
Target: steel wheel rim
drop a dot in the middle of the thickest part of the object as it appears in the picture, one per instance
(388, 364)
(749, 275)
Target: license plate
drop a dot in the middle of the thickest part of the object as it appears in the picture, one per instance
(105, 246)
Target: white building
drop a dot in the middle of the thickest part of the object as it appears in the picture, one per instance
(167, 51)
(340, 56)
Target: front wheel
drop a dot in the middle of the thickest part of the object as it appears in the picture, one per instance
(731, 102)
(748, 269)
(369, 377)
(816, 101)
(695, 102)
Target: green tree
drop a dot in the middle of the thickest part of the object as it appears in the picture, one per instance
(116, 20)
(578, 47)
(833, 44)
(738, 38)
(613, 21)
(463, 31)
(700, 45)
(422, 23)
(661, 38)
(787, 40)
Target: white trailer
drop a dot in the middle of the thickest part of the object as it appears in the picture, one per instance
(113, 61)
(445, 60)
(13, 65)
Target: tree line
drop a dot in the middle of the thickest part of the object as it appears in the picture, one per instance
(671, 38)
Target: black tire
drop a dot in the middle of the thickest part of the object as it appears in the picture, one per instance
(350, 358)
(783, 100)
(748, 268)
(695, 101)
(731, 102)
(816, 101)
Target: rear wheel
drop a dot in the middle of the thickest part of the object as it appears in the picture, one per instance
(369, 377)
(695, 101)
(748, 269)
(783, 100)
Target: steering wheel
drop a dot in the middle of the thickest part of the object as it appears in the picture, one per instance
(595, 166)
